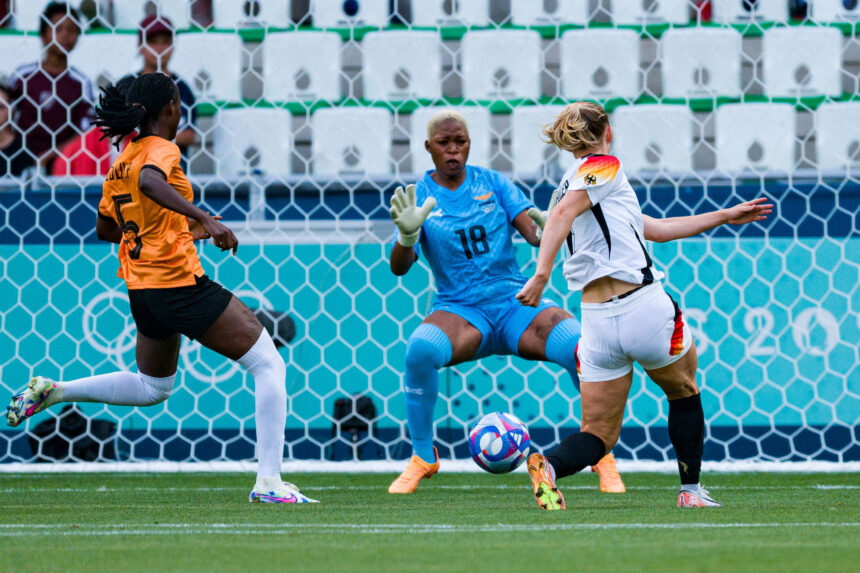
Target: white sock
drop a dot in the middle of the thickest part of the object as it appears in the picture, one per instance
(691, 487)
(270, 397)
(119, 388)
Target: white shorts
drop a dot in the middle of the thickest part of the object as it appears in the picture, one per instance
(646, 327)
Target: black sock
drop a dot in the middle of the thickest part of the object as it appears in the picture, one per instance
(687, 432)
(576, 452)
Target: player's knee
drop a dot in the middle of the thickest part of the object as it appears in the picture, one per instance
(428, 347)
(156, 390)
(682, 389)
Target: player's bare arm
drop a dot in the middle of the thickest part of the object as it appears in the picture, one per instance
(107, 230)
(557, 228)
(673, 228)
(527, 226)
(155, 186)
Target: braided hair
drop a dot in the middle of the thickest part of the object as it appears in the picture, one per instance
(124, 106)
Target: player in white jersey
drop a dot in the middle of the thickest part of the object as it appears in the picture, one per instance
(627, 317)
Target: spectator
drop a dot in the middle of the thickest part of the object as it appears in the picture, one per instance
(53, 101)
(12, 159)
(155, 37)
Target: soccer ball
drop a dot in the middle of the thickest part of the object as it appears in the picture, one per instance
(499, 442)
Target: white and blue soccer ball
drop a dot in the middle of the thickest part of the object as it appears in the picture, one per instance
(499, 442)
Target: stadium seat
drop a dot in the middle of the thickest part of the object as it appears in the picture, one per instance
(701, 62)
(837, 135)
(500, 64)
(654, 137)
(759, 136)
(211, 63)
(233, 14)
(18, 50)
(478, 119)
(312, 70)
(129, 13)
(541, 13)
(340, 14)
(402, 65)
(834, 10)
(744, 11)
(252, 140)
(440, 13)
(654, 12)
(352, 140)
(529, 151)
(108, 56)
(802, 61)
(611, 70)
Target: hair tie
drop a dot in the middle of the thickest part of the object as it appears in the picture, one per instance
(140, 105)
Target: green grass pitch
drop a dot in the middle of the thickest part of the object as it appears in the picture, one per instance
(455, 522)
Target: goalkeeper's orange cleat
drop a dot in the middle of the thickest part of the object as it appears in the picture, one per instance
(610, 479)
(543, 483)
(415, 471)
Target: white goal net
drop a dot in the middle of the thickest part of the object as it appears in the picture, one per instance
(306, 115)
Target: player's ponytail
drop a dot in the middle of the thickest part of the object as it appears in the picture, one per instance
(124, 106)
(580, 125)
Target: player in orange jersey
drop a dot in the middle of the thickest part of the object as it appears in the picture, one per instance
(146, 208)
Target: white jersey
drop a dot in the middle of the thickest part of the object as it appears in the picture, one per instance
(608, 239)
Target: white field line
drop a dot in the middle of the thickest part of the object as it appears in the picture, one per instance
(396, 466)
(105, 489)
(20, 530)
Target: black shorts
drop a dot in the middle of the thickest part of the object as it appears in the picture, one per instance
(190, 310)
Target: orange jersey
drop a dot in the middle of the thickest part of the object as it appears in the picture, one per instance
(157, 250)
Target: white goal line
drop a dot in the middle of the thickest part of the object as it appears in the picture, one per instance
(395, 466)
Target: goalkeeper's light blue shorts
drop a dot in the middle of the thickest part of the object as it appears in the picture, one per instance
(501, 324)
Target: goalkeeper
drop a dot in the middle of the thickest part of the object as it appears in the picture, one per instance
(468, 215)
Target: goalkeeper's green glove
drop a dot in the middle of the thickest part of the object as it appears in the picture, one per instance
(540, 217)
(408, 216)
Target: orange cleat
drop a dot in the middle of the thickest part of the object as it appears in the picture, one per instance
(417, 470)
(547, 494)
(610, 480)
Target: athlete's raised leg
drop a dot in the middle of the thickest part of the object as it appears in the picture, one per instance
(552, 335)
(444, 338)
(153, 383)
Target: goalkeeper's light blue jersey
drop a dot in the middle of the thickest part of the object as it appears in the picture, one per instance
(467, 237)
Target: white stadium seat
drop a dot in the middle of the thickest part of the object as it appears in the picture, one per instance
(478, 119)
(610, 69)
(109, 56)
(701, 62)
(653, 137)
(129, 13)
(249, 140)
(653, 12)
(302, 66)
(499, 64)
(741, 11)
(340, 14)
(402, 65)
(542, 13)
(450, 13)
(352, 140)
(834, 11)
(529, 151)
(802, 61)
(18, 50)
(758, 136)
(837, 135)
(210, 62)
(235, 14)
